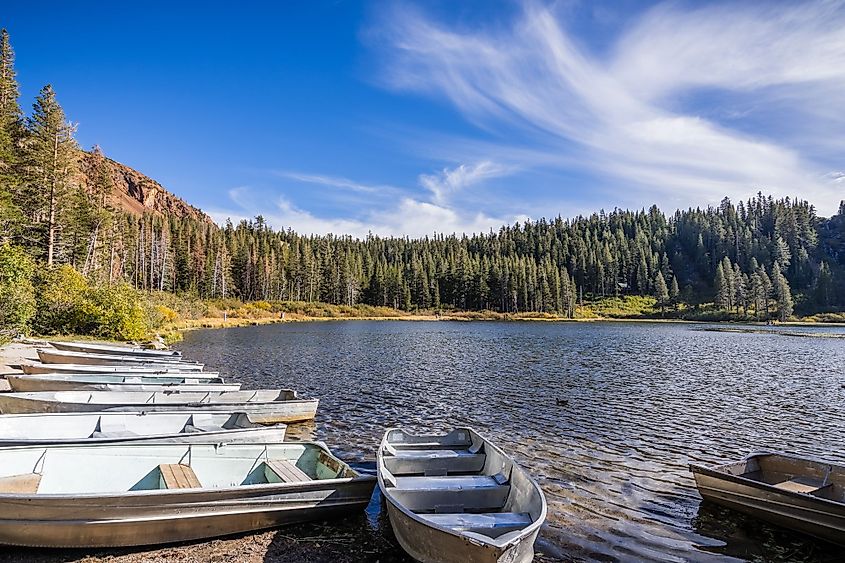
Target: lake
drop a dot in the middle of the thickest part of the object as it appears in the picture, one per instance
(642, 400)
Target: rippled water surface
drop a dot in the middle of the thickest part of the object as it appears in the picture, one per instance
(640, 401)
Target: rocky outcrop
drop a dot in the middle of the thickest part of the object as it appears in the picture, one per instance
(137, 194)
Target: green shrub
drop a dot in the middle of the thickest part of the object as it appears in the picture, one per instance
(17, 295)
(116, 312)
(68, 305)
(61, 301)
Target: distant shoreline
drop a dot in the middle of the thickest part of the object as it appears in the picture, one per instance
(219, 323)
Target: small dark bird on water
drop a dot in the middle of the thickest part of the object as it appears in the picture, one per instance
(561, 402)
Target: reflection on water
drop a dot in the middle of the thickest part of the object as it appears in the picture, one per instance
(638, 402)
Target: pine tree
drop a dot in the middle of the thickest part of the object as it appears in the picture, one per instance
(674, 292)
(10, 214)
(783, 293)
(10, 111)
(661, 292)
(823, 290)
(723, 296)
(51, 159)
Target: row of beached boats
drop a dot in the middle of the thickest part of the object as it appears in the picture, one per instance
(104, 445)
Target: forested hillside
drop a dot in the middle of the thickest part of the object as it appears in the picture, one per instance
(62, 206)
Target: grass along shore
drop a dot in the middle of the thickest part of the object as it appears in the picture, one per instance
(168, 315)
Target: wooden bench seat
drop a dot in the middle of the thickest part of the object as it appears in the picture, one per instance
(26, 483)
(801, 485)
(178, 476)
(491, 524)
(286, 471)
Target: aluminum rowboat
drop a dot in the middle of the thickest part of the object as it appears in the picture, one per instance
(267, 406)
(95, 428)
(458, 498)
(803, 494)
(106, 382)
(38, 368)
(61, 357)
(99, 348)
(145, 494)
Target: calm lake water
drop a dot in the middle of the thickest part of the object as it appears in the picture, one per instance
(643, 400)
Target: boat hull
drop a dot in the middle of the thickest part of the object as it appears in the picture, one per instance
(113, 428)
(160, 518)
(30, 384)
(39, 368)
(114, 349)
(274, 412)
(803, 513)
(430, 545)
(59, 357)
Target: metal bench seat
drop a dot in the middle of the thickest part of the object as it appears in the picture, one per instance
(491, 524)
(433, 462)
(452, 493)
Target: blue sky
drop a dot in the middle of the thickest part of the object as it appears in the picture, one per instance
(406, 118)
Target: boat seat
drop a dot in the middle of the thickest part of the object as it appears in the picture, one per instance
(801, 485)
(286, 471)
(26, 483)
(491, 524)
(178, 476)
(458, 493)
(434, 462)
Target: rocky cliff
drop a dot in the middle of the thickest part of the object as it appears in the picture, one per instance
(138, 194)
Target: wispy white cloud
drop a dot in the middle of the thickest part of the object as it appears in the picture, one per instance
(623, 114)
(403, 216)
(450, 181)
(335, 182)
(408, 217)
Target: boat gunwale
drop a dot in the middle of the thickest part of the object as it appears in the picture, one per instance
(717, 472)
(477, 539)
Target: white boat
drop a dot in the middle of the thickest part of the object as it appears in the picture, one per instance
(61, 357)
(267, 406)
(108, 382)
(144, 494)
(102, 427)
(42, 368)
(458, 498)
(101, 348)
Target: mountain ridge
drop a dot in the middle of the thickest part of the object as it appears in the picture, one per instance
(136, 193)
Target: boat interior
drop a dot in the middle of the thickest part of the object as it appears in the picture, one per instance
(139, 378)
(797, 475)
(39, 368)
(117, 425)
(460, 483)
(149, 467)
(160, 397)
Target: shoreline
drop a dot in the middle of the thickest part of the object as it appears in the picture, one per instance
(220, 323)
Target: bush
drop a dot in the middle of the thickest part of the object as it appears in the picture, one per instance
(17, 296)
(116, 312)
(68, 305)
(61, 301)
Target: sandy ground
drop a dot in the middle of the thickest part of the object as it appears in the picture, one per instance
(12, 355)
